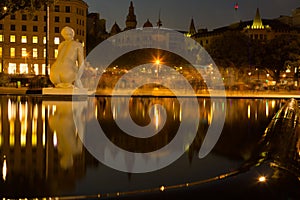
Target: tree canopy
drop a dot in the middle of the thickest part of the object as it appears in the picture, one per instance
(235, 49)
(11, 6)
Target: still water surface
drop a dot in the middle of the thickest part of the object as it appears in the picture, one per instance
(42, 154)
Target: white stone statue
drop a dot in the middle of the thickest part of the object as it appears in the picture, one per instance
(66, 71)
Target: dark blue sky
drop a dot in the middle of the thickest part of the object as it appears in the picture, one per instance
(177, 14)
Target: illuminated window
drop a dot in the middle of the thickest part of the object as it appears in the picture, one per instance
(44, 40)
(34, 53)
(23, 68)
(56, 40)
(12, 67)
(24, 39)
(55, 53)
(1, 38)
(34, 39)
(12, 52)
(12, 38)
(44, 53)
(0, 51)
(36, 69)
(23, 52)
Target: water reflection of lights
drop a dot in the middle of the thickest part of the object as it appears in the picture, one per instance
(267, 108)
(249, 111)
(4, 169)
(54, 139)
(156, 116)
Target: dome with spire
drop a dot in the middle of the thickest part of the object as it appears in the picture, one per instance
(257, 22)
(147, 24)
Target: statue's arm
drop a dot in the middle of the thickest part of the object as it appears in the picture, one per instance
(80, 57)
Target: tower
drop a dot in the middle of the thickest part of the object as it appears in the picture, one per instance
(159, 22)
(131, 18)
(257, 22)
(192, 29)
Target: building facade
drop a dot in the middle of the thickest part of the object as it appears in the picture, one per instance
(23, 36)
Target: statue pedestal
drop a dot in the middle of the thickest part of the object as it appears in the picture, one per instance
(65, 91)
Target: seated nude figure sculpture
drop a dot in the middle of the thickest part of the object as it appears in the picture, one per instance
(69, 65)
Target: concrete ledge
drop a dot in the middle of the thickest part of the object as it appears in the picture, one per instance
(64, 91)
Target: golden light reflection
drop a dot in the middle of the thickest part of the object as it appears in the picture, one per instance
(34, 133)
(273, 103)
(114, 112)
(249, 111)
(53, 109)
(96, 111)
(210, 115)
(180, 113)
(11, 110)
(11, 133)
(55, 139)
(44, 125)
(43, 112)
(23, 110)
(4, 169)
(156, 116)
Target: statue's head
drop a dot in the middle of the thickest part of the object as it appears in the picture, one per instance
(68, 33)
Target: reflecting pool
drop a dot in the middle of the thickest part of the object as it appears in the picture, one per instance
(42, 153)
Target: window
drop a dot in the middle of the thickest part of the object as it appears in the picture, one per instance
(56, 29)
(1, 26)
(1, 38)
(44, 53)
(56, 19)
(12, 38)
(44, 40)
(56, 40)
(45, 29)
(24, 52)
(24, 39)
(34, 39)
(35, 28)
(23, 68)
(12, 52)
(56, 8)
(24, 28)
(68, 20)
(34, 53)
(24, 17)
(0, 51)
(35, 18)
(12, 68)
(12, 17)
(68, 9)
(36, 69)
(55, 53)
(45, 18)
(12, 27)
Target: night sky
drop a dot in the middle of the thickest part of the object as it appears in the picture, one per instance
(177, 14)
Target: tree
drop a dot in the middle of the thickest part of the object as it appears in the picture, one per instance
(11, 6)
(231, 49)
(281, 52)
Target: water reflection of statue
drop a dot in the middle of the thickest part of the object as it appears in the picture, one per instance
(68, 67)
(68, 142)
